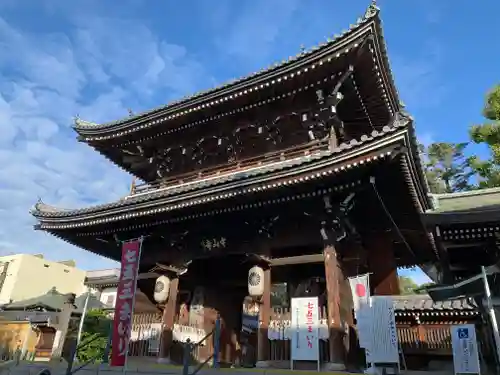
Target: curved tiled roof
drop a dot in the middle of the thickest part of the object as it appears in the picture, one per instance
(425, 303)
(400, 122)
(477, 206)
(218, 93)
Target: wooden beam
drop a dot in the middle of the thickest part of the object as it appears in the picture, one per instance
(300, 259)
(169, 268)
(450, 245)
(333, 273)
(168, 322)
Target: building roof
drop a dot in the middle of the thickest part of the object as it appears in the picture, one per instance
(52, 300)
(275, 74)
(367, 149)
(477, 206)
(102, 278)
(420, 303)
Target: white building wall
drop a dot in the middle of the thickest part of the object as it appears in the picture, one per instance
(108, 297)
(30, 276)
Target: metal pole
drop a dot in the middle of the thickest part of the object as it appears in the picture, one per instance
(491, 313)
(216, 342)
(82, 319)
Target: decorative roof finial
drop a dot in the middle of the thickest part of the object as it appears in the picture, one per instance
(372, 10)
(302, 48)
(130, 112)
(76, 119)
(133, 186)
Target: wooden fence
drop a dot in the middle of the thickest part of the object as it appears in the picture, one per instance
(146, 338)
(431, 339)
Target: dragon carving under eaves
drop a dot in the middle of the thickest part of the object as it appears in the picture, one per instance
(334, 223)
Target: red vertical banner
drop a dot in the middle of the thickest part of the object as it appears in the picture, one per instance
(124, 307)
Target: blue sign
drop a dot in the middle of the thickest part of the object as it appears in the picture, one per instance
(463, 333)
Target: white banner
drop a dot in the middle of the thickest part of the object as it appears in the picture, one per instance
(465, 351)
(384, 344)
(305, 324)
(360, 289)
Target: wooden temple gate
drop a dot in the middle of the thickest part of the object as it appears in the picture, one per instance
(308, 170)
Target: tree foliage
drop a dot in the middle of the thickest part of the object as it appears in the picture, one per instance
(409, 287)
(96, 327)
(447, 167)
(279, 295)
(488, 171)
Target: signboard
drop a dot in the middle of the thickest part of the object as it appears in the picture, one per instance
(384, 346)
(124, 306)
(465, 350)
(304, 327)
(364, 323)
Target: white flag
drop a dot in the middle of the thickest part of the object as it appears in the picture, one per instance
(360, 288)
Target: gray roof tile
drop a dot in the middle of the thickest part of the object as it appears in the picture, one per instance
(400, 121)
(425, 303)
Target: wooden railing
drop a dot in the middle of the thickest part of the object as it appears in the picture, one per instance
(414, 340)
(422, 339)
(237, 166)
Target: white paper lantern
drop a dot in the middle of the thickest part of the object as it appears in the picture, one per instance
(256, 281)
(162, 288)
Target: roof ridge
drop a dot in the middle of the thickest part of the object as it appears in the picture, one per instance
(371, 12)
(460, 194)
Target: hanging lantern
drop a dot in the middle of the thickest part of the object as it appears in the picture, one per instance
(256, 281)
(162, 288)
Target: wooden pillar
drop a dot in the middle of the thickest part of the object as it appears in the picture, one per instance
(333, 275)
(384, 278)
(264, 318)
(168, 322)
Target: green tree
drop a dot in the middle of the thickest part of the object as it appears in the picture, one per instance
(488, 171)
(407, 285)
(96, 328)
(446, 167)
(279, 295)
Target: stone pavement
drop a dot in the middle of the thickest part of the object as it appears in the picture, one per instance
(34, 368)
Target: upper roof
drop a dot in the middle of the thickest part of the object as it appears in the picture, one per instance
(479, 206)
(276, 74)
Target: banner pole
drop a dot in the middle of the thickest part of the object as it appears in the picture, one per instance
(133, 302)
(491, 313)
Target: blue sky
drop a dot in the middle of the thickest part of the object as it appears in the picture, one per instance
(97, 58)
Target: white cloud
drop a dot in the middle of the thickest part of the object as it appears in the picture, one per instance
(98, 69)
(250, 33)
(417, 77)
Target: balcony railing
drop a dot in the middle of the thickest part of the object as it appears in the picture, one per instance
(244, 165)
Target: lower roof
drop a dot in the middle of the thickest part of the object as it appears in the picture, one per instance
(477, 206)
(224, 186)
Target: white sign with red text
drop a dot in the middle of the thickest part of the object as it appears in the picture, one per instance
(304, 329)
